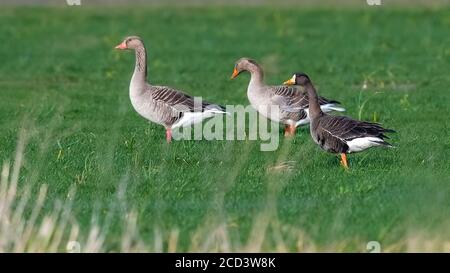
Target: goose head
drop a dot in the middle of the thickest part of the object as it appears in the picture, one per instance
(131, 42)
(244, 64)
(298, 79)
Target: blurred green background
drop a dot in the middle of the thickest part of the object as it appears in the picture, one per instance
(64, 85)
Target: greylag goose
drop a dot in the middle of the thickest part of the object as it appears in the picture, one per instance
(292, 103)
(339, 134)
(161, 104)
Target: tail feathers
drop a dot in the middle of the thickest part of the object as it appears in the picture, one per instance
(375, 129)
(334, 102)
(390, 131)
(221, 107)
(385, 143)
(377, 126)
(216, 109)
(332, 107)
(323, 100)
(337, 108)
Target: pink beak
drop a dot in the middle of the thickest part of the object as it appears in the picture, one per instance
(123, 45)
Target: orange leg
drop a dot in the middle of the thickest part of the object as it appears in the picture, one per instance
(289, 130)
(344, 162)
(168, 135)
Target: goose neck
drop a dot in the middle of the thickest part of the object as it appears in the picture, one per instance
(313, 100)
(257, 76)
(140, 69)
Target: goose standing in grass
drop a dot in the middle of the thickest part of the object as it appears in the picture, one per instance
(339, 134)
(292, 103)
(161, 104)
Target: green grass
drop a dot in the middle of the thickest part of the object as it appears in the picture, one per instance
(61, 80)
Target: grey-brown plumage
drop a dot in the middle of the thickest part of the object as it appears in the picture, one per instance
(292, 102)
(339, 134)
(161, 104)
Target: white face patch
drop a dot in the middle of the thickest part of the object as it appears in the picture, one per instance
(293, 79)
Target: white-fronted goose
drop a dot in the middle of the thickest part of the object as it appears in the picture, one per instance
(292, 103)
(161, 104)
(339, 134)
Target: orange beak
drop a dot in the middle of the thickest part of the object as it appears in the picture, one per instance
(289, 82)
(235, 73)
(123, 45)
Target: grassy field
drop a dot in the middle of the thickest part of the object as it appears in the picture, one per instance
(64, 85)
